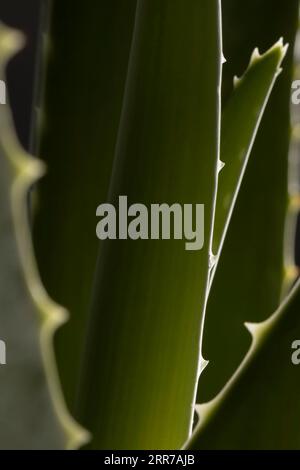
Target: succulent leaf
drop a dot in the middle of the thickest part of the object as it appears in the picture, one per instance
(241, 416)
(241, 118)
(141, 365)
(248, 281)
(32, 408)
(79, 117)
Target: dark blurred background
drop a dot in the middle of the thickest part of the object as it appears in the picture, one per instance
(23, 15)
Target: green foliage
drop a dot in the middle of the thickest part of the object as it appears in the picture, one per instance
(248, 282)
(267, 380)
(32, 409)
(245, 106)
(132, 106)
(80, 113)
(143, 342)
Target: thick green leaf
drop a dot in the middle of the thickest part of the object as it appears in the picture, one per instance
(141, 364)
(87, 60)
(260, 407)
(248, 281)
(240, 121)
(32, 409)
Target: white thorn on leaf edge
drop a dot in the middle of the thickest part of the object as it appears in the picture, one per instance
(212, 260)
(257, 329)
(198, 410)
(220, 165)
(252, 328)
(202, 365)
(255, 55)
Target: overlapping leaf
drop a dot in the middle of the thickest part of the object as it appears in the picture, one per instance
(240, 121)
(87, 50)
(141, 366)
(32, 409)
(248, 281)
(259, 408)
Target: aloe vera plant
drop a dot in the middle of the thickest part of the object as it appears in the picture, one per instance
(252, 236)
(154, 118)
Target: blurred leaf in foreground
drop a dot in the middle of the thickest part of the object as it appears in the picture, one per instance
(32, 409)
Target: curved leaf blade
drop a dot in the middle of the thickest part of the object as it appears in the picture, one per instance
(240, 121)
(242, 416)
(252, 254)
(147, 292)
(87, 52)
(32, 409)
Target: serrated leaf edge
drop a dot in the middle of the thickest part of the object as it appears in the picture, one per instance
(26, 171)
(259, 334)
(255, 57)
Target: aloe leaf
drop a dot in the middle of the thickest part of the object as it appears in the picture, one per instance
(240, 121)
(32, 409)
(242, 415)
(79, 118)
(141, 364)
(252, 254)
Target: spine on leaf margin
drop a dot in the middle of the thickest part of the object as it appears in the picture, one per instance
(24, 171)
